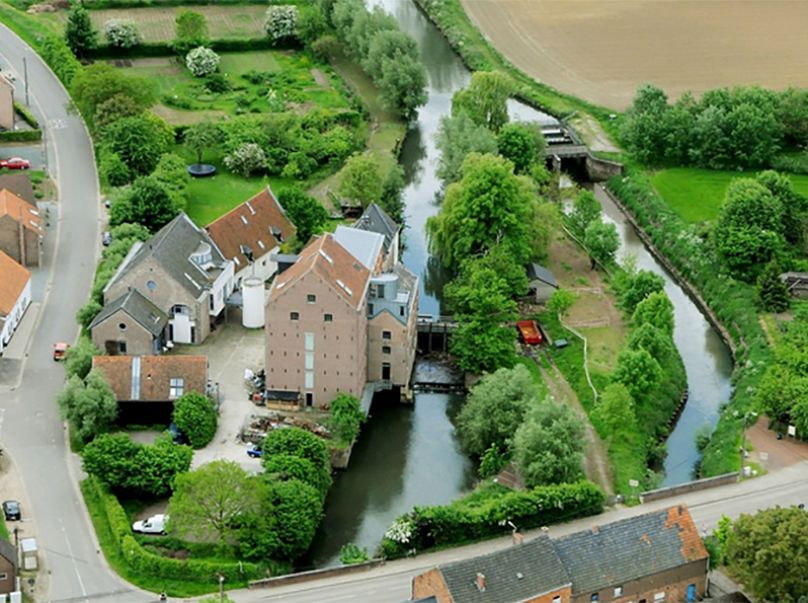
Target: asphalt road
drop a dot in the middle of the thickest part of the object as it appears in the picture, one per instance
(31, 428)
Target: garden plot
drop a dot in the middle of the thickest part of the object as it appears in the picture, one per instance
(157, 24)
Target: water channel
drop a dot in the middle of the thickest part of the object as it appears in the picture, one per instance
(408, 455)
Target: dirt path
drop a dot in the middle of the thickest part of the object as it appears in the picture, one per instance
(596, 462)
(602, 51)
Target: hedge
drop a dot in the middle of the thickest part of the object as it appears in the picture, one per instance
(484, 513)
(104, 4)
(20, 135)
(143, 562)
(26, 115)
(732, 302)
(159, 49)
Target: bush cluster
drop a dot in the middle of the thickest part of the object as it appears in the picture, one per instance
(196, 417)
(484, 514)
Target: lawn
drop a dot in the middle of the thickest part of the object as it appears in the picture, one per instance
(156, 23)
(299, 81)
(213, 197)
(697, 194)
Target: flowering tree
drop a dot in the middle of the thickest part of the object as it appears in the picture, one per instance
(247, 159)
(281, 22)
(202, 61)
(122, 33)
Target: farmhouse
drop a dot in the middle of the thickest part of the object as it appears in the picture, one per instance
(250, 233)
(182, 273)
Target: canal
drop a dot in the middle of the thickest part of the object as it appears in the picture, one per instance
(408, 455)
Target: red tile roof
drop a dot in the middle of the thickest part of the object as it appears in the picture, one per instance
(156, 373)
(335, 265)
(13, 279)
(693, 547)
(20, 210)
(251, 224)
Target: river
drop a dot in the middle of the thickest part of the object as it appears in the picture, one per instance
(408, 455)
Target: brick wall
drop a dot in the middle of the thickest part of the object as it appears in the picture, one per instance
(431, 584)
(673, 583)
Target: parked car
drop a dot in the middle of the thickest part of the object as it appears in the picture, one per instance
(15, 163)
(255, 452)
(106, 239)
(156, 524)
(11, 510)
(176, 435)
(59, 350)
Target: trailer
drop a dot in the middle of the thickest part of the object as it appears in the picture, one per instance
(529, 332)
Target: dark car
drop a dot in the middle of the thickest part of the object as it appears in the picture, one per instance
(176, 435)
(255, 452)
(11, 510)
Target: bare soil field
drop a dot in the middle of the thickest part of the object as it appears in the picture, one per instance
(601, 50)
(156, 24)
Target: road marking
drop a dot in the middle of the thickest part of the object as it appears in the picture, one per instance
(57, 124)
(73, 560)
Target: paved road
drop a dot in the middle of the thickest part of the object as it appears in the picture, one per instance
(391, 583)
(31, 428)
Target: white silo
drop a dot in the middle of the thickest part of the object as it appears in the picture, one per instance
(252, 312)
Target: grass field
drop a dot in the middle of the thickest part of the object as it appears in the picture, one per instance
(156, 24)
(697, 194)
(300, 81)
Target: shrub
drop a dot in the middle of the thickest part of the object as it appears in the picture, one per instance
(325, 47)
(246, 160)
(351, 554)
(281, 23)
(57, 55)
(202, 61)
(195, 416)
(122, 33)
(113, 170)
(484, 514)
(346, 417)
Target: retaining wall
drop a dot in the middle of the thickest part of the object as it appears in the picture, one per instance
(694, 486)
(317, 574)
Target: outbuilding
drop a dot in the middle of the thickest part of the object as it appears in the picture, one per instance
(542, 283)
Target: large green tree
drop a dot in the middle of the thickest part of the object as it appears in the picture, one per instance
(196, 417)
(548, 445)
(103, 92)
(284, 467)
(147, 203)
(490, 206)
(486, 99)
(636, 287)
(139, 141)
(362, 179)
(208, 502)
(615, 409)
(345, 418)
(585, 210)
(656, 309)
(80, 34)
(768, 551)
(89, 405)
(638, 371)
(457, 137)
(602, 242)
(190, 31)
(79, 358)
(494, 409)
(306, 213)
(202, 136)
(772, 292)
(523, 144)
(298, 442)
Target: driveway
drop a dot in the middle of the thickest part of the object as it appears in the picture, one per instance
(32, 429)
(230, 350)
(33, 152)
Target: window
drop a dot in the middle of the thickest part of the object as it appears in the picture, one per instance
(401, 310)
(151, 285)
(294, 315)
(387, 335)
(556, 599)
(386, 349)
(309, 380)
(122, 326)
(328, 318)
(594, 597)
(380, 291)
(309, 361)
(176, 386)
(370, 309)
(309, 343)
(311, 298)
(385, 371)
(4, 576)
(659, 597)
(122, 347)
(618, 591)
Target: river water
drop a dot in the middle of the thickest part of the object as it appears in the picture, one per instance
(408, 455)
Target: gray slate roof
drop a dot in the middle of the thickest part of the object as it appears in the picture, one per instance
(536, 560)
(407, 281)
(622, 551)
(141, 309)
(375, 219)
(536, 272)
(8, 551)
(172, 248)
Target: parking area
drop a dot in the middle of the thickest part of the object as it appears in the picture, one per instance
(773, 454)
(34, 152)
(230, 350)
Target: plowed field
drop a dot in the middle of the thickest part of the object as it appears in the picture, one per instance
(601, 50)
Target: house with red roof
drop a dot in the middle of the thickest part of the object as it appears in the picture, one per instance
(15, 297)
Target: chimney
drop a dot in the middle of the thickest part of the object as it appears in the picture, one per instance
(517, 538)
(480, 582)
(595, 529)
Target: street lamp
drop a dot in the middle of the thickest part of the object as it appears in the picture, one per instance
(221, 588)
(746, 416)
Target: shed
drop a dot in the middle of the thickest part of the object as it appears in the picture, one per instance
(28, 550)
(542, 283)
(282, 399)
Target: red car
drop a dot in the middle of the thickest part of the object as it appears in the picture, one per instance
(15, 163)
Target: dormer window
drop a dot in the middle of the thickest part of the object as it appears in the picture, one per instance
(203, 255)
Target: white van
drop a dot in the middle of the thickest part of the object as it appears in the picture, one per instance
(156, 524)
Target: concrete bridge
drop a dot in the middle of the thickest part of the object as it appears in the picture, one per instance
(433, 333)
(565, 149)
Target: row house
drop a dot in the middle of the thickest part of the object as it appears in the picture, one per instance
(15, 297)
(22, 229)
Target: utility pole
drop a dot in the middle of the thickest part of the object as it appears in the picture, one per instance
(743, 440)
(25, 76)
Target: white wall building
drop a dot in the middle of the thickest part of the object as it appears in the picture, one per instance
(15, 297)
